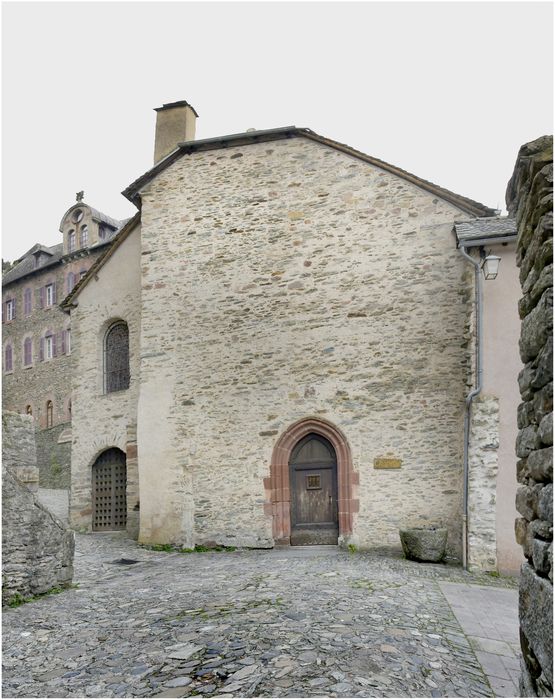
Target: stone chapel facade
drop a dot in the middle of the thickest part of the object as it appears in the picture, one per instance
(289, 324)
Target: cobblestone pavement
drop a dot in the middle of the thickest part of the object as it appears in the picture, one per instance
(296, 622)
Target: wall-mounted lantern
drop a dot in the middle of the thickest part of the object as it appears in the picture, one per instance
(489, 264)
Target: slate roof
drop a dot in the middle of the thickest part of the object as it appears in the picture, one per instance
(486, 229)
(132, 192)
(26, 265)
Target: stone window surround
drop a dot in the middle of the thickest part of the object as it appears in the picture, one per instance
(278, 495)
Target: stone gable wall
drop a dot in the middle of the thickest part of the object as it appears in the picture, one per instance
(100, 420)
(37, 549)
(288, 280)
(530, 199)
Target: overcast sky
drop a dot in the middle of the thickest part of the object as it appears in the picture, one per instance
(447, 91)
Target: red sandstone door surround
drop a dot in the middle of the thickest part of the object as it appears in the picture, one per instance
(278, 487)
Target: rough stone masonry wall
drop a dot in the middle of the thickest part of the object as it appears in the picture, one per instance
(101, 420)
(37, 549)
(54, 456)
(482, 477)
(19, 449)
(530, 199)
(286, 280)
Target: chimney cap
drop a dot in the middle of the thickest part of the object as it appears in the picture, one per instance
(179, 103)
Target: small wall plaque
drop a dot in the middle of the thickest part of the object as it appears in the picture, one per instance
(387, 463)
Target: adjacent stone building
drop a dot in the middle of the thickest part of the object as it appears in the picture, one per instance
(530, 200)
(36, 337)
(277, 349)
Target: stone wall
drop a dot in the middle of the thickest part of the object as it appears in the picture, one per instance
(100, 420)
(287, 280)
(482, 476)
(37, 549)
(54, 456)
(19, 449)
(530, 200)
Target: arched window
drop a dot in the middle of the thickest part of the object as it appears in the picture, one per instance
(71, 241)
(29, 409)
(116, 358)
(49, 414)
(84, 236)
(8, 359)
(28, 352)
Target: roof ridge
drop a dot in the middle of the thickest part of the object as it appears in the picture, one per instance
(245, 138)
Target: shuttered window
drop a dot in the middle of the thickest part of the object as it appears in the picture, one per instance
(116, 358)
(8, 359)
(28, 301)
(28, 352)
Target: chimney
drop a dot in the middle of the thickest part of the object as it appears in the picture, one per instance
(175, 122)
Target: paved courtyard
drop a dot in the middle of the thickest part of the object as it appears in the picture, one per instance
(308, 622)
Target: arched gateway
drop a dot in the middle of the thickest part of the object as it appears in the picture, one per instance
(109, 491)
(310, 488)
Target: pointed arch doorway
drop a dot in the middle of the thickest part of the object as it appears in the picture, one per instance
(313, 483)
(288, 450)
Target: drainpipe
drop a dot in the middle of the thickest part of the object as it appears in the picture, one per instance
(471, 396)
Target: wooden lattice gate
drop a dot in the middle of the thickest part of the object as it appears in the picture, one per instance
(109, 483)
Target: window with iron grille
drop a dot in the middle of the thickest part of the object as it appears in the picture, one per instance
(116, 358)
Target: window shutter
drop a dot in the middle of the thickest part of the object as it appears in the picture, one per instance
(42, 293)
(63, 343)
(54, 349)
(53, 293)
(41, 350)
(13, 308)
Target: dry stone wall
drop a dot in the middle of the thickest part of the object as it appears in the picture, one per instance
(287, 280)
(530, 199)
(19, 449)
(37, 549)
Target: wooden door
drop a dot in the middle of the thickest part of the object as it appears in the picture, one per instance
(109, 487)
(313, 484)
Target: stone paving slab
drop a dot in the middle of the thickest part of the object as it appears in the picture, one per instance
(278, 623)
(489, 618)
